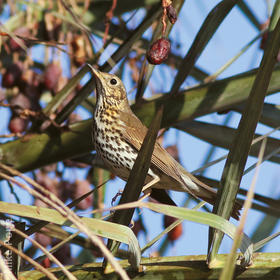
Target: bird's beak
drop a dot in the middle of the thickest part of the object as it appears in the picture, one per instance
(98, 78)
(96, 73)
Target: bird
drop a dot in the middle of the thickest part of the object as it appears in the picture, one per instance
(118, 135)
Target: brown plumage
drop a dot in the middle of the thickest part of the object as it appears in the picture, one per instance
(118, 135)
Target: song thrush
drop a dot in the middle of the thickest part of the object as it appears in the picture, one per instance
(118, 135)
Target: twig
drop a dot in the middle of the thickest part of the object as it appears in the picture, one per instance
(109, 16)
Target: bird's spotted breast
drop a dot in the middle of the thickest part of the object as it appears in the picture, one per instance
(111, 146)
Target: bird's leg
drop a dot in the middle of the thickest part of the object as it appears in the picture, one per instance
(147, 188)
(151, 183)
(145, 195)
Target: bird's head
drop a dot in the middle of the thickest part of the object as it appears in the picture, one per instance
(110, 90)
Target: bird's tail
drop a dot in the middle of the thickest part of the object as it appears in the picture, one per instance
(206, 193)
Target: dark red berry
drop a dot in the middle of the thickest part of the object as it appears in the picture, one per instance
(46, 263)
(12, 76)
(52, 75)
(8, 80)
(176, 232)
(15, 45)
(158, 51)
(17, 124)
(20, 102)
(172, 14)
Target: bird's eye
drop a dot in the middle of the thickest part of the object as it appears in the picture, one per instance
(113, 82)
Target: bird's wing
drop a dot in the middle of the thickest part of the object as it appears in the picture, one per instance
(134, 132)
